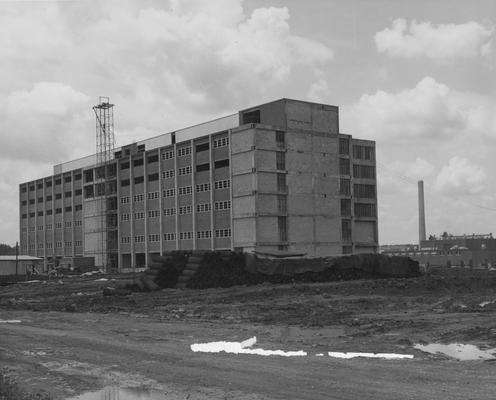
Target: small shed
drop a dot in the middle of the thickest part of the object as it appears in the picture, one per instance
(25, 263)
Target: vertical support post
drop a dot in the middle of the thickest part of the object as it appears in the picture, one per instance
(421, 211)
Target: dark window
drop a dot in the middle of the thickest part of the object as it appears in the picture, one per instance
(138, 162)
(141, 148)
(100, 189)
(202, 167)
(88, 192)
(118, 154)
(23, 189)
(347, 249)
(88, 175)
(281, 225)
(125, 182)
(344, 166)
(40, 185)
(100, 172)
(364, 191)
(111, 170)
(280, 139)
(78, 192)
(345, 207)
(364, 171)
(281, 204)
(31, 201)
(77, 177)
(127, 152)
(280, 160)
(58, 181)
(68, 209)
(281, 182)
(153, 177)
(40, 213)
(24, 216)
(202, 147)
(365, 210)
(222, 163)
(78, 207)
(67, 179)
(67, 194)
(251, 117)
(124, 165)
(344, 187)
(139, 179)
(58, 211)
(58, 196)
(346, 230)
(31, 188)
(152, 159)
(40, 199)
(344, 146)
(48, 184)
(24, 202)
(31, 214)
(49, 197)
(49, 212)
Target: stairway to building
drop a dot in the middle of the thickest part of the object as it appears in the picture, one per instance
(192, 266)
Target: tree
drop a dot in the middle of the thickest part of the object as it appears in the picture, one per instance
(6, 250)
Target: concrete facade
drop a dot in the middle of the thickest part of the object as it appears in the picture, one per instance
(278, 177)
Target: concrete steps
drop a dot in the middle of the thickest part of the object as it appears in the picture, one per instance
(192, 266)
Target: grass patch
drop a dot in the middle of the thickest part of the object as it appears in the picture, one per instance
(10, 389)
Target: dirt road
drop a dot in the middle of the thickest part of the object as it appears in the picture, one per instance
(144, 339)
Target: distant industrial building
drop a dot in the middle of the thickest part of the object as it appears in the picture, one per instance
(275, 178)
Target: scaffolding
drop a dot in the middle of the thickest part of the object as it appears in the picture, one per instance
(106, 185)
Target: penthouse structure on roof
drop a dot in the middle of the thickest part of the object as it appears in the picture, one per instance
(274, 178)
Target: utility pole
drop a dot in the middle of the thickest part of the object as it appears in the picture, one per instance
(17, 257)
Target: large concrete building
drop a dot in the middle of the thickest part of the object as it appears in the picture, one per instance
(278, 177)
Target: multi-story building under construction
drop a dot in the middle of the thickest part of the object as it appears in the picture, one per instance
(275, 178)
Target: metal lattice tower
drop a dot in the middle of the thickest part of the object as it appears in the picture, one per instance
(105, 184)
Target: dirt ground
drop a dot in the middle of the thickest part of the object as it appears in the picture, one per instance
(72, 339)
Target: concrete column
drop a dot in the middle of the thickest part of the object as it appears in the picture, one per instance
(421, 210)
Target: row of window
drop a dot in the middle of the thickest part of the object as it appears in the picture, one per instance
(359, 171)
(48, 184)
(49, 227)
(58, 245)
(58, 196)
(219, 233)
(67, 209)
(188, 209)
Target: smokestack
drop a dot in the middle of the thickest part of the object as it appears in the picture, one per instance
(421, 211)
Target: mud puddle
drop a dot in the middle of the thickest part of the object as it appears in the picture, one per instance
(117, 393)
(463, 352)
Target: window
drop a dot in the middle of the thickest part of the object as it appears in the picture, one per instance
(154, 238)
(68, 209)
(344, 166)
(58, 196)
(68, 224)
(31, 229)
(281, 183)
(280, 142)
(138, 180)
(204, 234)
(221, 142)
(78, 207)
(169, 192)
(223, 205)
(25, 228)
(152, 195)
(125, 182)
(58, 245)
(153, 213)
(346, 230)
(139, 239)
(222, 163)
(167, 155)
(88, 192)
(67, 179)
(68, 244)
(282, 228)
(203, 167)
(24, 216)
(185, 235)
(153, 177)
(281, 204)
(78, 243)
(363, 171)
(364, 191)
(184, 170)
(49, 212)
(365, 210)
(40, 245)
(67, 194)
(49, 245)
(49, 227)
(169, 236)
(183, 151)
(344, 146)
(223, 184)
(185, 210)
(344, 187)
(49, 197)
(31, 188)
(88, 176)
(141, 148)
(139, 215)
(168, 174)
(48, 184)
(58, 211)
(138, 162)
(23, 189)
(40, 227)
(124, 165)
(347, 249)
(31, 201)
(40, 185)
(31, 215)
(169, 212)
(345, 207)
(184, 190)
(203, 187)
(138, 197)
(363, 152)
(78, 222)
(202, 147)
(280, 160)
(221, 233)
(152, 159)
(251, 117)
(125, 239)
(78, 192)
(204, 207)
(124, 217)
(125, 199)
(77, 177)
(58, 225)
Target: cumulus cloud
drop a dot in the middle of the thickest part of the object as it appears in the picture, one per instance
(461, 177)
(429, 111)
(441, 42)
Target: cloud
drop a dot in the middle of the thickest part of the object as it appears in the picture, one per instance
(461, 177)
(429, 111)
(402, 176)
(442, 42)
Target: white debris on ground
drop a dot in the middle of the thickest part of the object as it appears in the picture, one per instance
(101, 280)
(387, 356)
(464, 352)
(242, 348)
(10, 321)
(486, 303)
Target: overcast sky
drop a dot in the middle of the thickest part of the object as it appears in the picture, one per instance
(419, 77)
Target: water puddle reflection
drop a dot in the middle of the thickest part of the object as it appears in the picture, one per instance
(459, 351)
(117, 393)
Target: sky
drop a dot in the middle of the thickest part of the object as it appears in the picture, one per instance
(418, 77)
